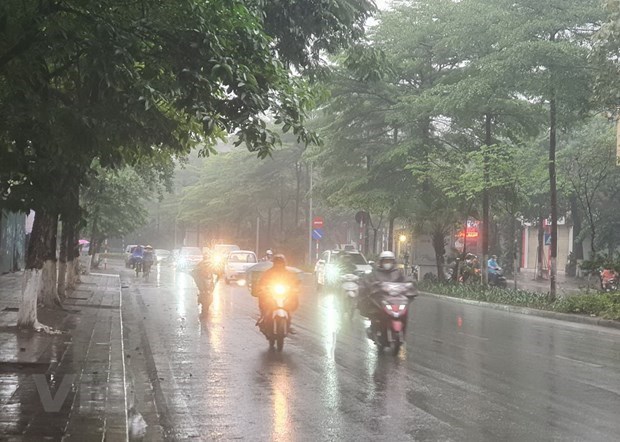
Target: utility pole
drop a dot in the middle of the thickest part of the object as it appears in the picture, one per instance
(310, 217)
(257, 234)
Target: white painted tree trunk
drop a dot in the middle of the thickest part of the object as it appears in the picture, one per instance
(70, 284)
(48, 294)
(31, 284)
(62, 279)
(86, 264)
(77, 271)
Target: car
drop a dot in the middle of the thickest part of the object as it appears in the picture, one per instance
(162, 255)
(128, 251)
(219, 254)
(188, 257)
(326, 271)
(237, 263)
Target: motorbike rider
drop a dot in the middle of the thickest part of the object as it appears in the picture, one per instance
(492, 269)
(268, 255)
(608, 278)
(347, 266)
(136, 254)
(277, 274)
(385, 271)
(148, 255)
(203, 275)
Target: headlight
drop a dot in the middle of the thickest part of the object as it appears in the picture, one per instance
(279, 289)
(332, 272)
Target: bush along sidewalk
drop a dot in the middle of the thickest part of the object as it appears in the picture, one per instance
(603, 305)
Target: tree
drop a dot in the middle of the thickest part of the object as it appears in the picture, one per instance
(587, 162)
(551, 50)
(85, 80)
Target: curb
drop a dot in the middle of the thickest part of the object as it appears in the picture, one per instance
(530, 311)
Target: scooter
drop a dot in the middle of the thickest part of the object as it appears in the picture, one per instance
(499, 280)
(609, 280)
(275, 323)
(350, 290)
(388, 324)
(205, 285)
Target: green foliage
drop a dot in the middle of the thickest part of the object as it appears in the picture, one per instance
(604, 305)
(117, 82)
(114, 200)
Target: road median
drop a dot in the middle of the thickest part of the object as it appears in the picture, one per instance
(582, 319)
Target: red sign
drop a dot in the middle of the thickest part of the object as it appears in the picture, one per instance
(317, 222)
(470, 234)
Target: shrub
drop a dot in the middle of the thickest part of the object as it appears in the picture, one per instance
(604, 305)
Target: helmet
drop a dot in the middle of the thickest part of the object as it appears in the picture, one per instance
(279, 262)
(387, 260)
(149, 247)
(268, 252)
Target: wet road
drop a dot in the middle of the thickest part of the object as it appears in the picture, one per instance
(467, 373)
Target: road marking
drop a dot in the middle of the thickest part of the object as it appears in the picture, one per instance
(473, 336)
(590, 364)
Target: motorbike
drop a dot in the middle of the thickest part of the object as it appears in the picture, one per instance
(146, 268)
(609, 280)
(388, 322)
(499, 280)
(275, 323)
(205, 285)
(138, 263)
(350, 290)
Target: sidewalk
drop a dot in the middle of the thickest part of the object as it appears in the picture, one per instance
(565, 285)
(68, 386)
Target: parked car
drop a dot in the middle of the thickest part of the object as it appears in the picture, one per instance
(327, 272)
(128, 251)
(237, 263)
(188, 257)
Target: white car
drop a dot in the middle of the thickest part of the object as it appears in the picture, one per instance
(327, 271)
(236, 265)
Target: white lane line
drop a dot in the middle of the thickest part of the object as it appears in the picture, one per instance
(473, 336)
(590, 364)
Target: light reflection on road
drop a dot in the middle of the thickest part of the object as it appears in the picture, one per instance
(281, 391)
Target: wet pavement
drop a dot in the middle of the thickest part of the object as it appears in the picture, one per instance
(466, 373)
(69, 385)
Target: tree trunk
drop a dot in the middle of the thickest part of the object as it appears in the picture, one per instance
(298, 176)
(541, 246)
(269, 242)
(486, 216)
(374, 240)
(35, 257)
(515, 266)
(72, 254)
(390, 239)
(49, 285)
(439, 245)
(63, 258)
(554, 198)
(577, 226)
